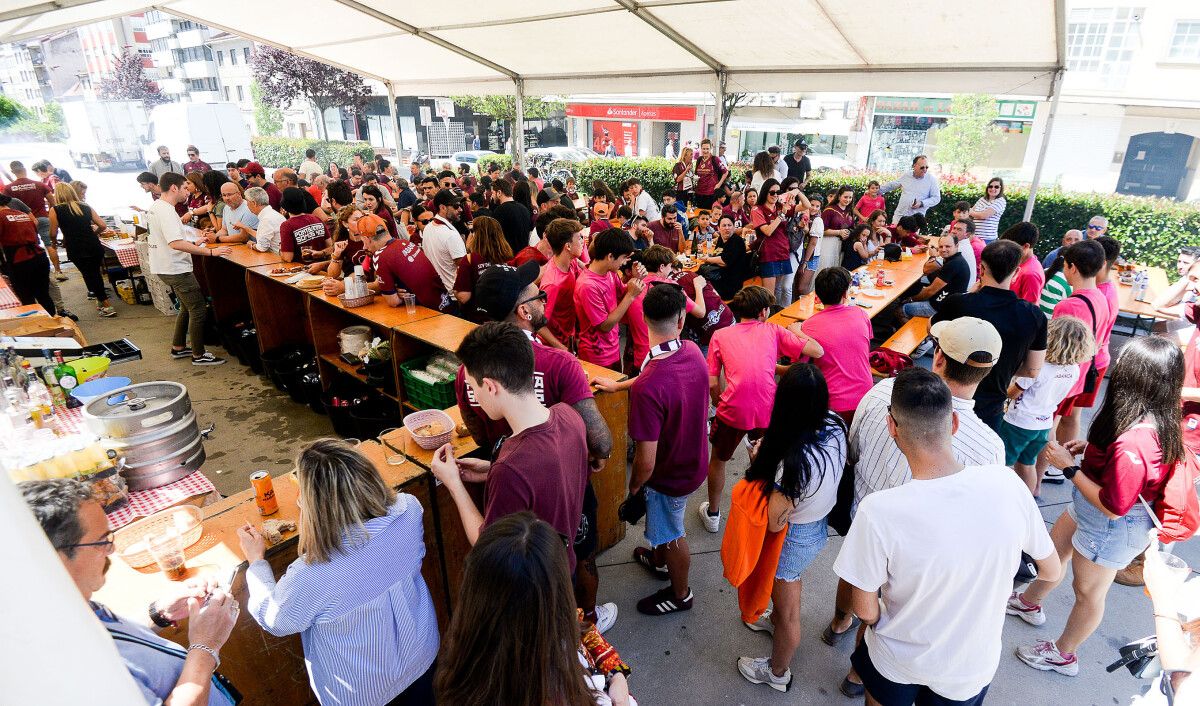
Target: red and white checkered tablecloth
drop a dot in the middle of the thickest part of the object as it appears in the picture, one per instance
(144, 503)
(125, 250)
(70, 421)
(8, 298)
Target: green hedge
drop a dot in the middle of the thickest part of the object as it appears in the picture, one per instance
(276, 152)
(1150, 230)
(504, 160)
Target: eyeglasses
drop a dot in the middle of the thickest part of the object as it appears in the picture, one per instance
(993, 186)
(1092, 227)
(540, 296)
(924, 167)
(107, 543)
(424, 220)
(773, 192)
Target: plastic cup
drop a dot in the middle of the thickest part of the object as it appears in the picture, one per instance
(410, 303)
(167, 550)
(391, 457)
(1176, 567)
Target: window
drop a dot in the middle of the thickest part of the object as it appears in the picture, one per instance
(203, 84)
(1100, 45)
(227, 93)
(241, 96)
(220, 58)
(232, 57)
(1185, 43)
(246, 54)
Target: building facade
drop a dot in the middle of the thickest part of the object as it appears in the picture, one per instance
(185, 62)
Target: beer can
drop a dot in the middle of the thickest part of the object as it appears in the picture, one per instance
(264, 493)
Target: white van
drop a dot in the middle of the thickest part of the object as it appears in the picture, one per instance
(216, 129)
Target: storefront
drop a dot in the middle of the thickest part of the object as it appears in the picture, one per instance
(634, 130)
(905, 127)
(824, 125)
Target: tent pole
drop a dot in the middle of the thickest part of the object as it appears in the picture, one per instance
(1055, 92)
(518, 137)
(395, 122)
(719, 111)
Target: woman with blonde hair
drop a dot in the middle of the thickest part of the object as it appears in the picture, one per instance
(684, 172)
(355, 594)
(79, 225)
(486, 246)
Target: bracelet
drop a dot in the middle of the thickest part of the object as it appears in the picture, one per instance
(200, 646)
(157, 617)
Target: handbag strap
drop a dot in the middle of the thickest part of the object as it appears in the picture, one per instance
(1095, 327)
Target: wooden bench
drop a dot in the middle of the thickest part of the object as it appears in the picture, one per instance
(908, 337)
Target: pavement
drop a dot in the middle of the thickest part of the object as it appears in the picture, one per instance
(681, 658)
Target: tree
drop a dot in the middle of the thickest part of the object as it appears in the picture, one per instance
(29, 125)
(10, 111)
(505, 107)
(267, 118)
(730, 103)
(128, 82)
(283, 77)
(970, 133)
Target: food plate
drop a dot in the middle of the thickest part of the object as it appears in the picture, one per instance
(871, 293)
(286, 271)
(310, 282)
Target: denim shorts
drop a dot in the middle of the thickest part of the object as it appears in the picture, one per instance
(802, 544)
(814, 262)
(1108, 542)
(774, 269)
(664, 517)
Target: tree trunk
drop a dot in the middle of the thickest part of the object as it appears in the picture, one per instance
(322, 131)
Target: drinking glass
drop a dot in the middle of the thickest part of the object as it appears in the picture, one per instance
(167, 550)
(410, 303)
(392, 457)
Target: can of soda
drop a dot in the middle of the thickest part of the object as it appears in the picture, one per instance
(264, 493)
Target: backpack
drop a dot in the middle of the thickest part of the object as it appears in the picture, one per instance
(1177, 513)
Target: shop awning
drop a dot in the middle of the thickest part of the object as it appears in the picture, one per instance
(559, 47)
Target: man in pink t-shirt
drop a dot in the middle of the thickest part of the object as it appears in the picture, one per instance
(745, 354)
(601, 300)
(660, 264)
(565, 238)
(844, 332)
(1084, 261)
(1028, 282)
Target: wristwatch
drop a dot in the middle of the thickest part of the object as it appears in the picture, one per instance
(1070, 471)
(157, 617)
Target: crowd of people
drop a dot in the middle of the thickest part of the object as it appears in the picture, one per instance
(1019, 348)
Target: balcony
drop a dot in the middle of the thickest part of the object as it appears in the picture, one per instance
(191, 38)
(198, 69)
(159, 30)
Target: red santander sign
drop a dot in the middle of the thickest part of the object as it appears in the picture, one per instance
(673, 113)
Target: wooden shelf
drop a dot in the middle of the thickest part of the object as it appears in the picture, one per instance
(344, 367)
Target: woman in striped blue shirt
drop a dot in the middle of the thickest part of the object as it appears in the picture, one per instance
(355, 594)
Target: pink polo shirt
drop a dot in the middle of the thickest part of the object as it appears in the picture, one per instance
(845, 333)
(635, 319)
(747, 352)
(1109, 290)
(1073, 306)
(596, 297)
(1028, 282)
(559, 287)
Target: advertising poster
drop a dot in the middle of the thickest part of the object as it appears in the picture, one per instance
(615, 138)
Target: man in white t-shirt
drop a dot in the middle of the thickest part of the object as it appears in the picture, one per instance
(171, 261)
(309, 169)
(966, 350)
(931, 561)
(441, 241)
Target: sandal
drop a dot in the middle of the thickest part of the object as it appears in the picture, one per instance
(831, 638)
(645, 558)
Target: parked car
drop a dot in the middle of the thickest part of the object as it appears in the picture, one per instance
(555, 162)
(470, 157)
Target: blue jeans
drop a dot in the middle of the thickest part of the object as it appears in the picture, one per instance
(1111, 543)
(913, 309)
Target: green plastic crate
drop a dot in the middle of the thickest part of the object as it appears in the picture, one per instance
(421, 394)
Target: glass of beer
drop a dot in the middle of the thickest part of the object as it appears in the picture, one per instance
(167, 550)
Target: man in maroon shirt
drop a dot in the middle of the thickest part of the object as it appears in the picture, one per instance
(710, 176)
(40, 199)
(400, 266)
(22, 260)
(542, 467)
(257, 176)
(667, 230)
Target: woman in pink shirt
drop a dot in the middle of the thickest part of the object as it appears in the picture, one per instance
(869, 203)
(746, 355)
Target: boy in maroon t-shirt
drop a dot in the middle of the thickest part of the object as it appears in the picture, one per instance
(542, 467)
(400, 265)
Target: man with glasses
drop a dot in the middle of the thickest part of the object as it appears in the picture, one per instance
(965, 350)
(919, 190)
(194, 163)
(77, 527)
(1096, 227)
(798, 163)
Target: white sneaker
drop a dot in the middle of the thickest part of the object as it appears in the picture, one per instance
(606, 615)
(757, 670)
(711, 523)
(763, 624)
(1053, 475)
(1032, 614)
(1046, 657)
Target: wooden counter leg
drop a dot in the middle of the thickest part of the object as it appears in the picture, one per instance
(612, 482)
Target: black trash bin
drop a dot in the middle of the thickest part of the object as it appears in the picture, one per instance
(248, 347)
(375, 415)
(343, 395)
(289, 357)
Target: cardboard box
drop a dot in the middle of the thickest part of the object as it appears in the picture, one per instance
(42, 325)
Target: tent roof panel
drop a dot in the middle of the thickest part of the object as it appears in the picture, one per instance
(431, 15)
(324, 22)
(381, 56)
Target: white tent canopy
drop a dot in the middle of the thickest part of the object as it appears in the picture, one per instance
(559, 47)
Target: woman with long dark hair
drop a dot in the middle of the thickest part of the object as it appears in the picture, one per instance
(199, 202)
(486, 246)
(373, 202)
(771, 241)
(799, 463)
(1131, 450)
(858, 249)
(213, 181)
(684, 173)
(764, 169)
(838, 220)
(516, 638)
(987, 210)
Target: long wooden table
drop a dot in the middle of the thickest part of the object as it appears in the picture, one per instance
(903, 274)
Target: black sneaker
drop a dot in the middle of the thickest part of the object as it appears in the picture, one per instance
(91, 295)
(208, 359)
(181, 353)
(69, 315)
(663, 602)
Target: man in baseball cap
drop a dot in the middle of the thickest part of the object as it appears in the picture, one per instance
(257, 176)
(400, 267)
(968, 340)
(501, 287)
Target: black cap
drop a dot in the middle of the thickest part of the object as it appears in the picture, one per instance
(802, 144)
(499, 286)
(446, 197)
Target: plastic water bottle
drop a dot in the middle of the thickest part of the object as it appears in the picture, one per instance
(1141, 287)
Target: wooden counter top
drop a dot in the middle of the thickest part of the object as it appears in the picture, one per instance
(378, 311)
(1158, 285)
(904, 274)
(445, 332)
(402, 439)
(247, 256)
